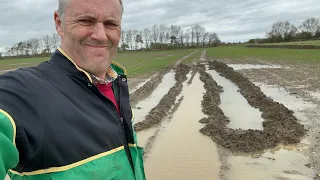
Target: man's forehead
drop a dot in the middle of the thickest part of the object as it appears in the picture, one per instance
(111, 7)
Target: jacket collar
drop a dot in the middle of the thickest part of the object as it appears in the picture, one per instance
(67, 63)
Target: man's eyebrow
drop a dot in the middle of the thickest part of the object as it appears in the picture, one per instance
(86, 16)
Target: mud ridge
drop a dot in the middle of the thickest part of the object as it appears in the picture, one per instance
(280, 126)
(147, 89)
(160, 111)
(193, 73)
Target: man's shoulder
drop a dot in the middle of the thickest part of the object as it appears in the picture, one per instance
(19, 78)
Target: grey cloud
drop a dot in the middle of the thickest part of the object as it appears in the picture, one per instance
(232, 20)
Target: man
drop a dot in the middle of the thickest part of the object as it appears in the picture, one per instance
(70, 117)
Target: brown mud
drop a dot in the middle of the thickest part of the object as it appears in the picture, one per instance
(160, 111)
(280, 125)
(193, 73)
(147, 89)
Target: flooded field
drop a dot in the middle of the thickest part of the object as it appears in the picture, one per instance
(210, 122)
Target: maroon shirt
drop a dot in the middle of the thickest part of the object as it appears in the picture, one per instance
(106, 89)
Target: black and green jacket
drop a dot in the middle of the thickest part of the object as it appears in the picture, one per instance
(56, 125)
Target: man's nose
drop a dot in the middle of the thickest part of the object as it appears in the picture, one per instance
(99, 32)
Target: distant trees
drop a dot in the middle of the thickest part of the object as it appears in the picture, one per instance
(34, 46)
(168, 37)
(284, 31)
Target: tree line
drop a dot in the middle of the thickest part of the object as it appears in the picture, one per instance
(34, 46)
(284, 31)
(154, 38)
(167, 37)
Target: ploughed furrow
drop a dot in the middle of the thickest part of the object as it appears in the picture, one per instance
(147, 89)
(279, 126)
(161, 110)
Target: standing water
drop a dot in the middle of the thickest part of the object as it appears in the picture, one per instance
(181, 151)
(144, 107)
(236, 107)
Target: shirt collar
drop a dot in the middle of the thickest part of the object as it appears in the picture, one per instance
(110, 76)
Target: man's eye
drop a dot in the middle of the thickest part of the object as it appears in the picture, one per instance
(85, 22)
(111, 25)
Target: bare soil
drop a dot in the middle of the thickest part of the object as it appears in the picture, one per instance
(147, 88)
(161, 110)
(300, 80)
(280, 126)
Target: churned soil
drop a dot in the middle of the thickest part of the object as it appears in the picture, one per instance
(147, 89)
(279, 126)
(160, 111)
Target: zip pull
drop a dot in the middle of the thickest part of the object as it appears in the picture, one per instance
(121, 121)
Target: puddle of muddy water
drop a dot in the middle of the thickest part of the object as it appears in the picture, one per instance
(280, 95)
(283, 162)
(315, 95)
(279, 165)
(144, 107)
(253, 66)
(235, 106)
(180, 151)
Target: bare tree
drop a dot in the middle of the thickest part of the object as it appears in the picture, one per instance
(55, 41)
(187, 35)
(27, 47)
(129, 38)
(162, 32)
(155, 33)
(282, 30)
(35, 45)
(135, 33)
(147, 33)
(123, 36)
(181, 37)
(310, 25)
(46, 43)
(139, 39)
(198, 31)
(204, 38)
(167, 37)
(192, 35)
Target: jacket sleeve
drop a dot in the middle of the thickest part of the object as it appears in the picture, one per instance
(11, 91)
(9, 155)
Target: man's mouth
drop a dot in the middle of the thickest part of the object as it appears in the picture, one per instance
(98, 46)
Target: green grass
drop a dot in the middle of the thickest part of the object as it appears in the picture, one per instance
(315, 43)
(6, 64)
(194, 56)
(143, 64)
(138, 64)
(272, 54)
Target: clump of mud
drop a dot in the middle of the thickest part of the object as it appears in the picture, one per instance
(193, 73)
(147, 89)
(161, 110)
(280, 126)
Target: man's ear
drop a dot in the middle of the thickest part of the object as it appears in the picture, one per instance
(58, 23)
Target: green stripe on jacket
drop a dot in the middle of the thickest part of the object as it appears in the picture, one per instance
(114, 166)
(9, 155)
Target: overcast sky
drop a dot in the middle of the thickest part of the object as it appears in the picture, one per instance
(232, 20)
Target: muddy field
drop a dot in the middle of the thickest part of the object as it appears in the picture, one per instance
(192, 124)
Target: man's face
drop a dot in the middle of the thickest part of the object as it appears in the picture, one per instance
(90, 32)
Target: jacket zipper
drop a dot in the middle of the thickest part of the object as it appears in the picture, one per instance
(126, 145)
(119, 114)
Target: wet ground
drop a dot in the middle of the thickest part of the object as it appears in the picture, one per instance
(220, 123)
